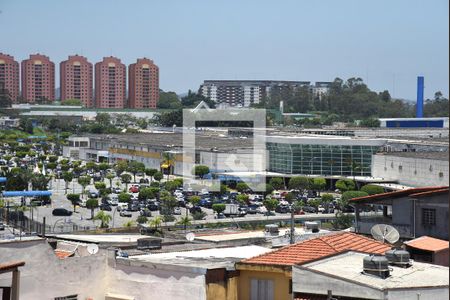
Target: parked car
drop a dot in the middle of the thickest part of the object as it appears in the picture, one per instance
(145, 212)
(144, 180)
(309, 209)
(61, 212)
(153, 206)
(105, 206)
(177, 211)
(2, 226)
(93, 194)
(195, 209)
(124, 213)
(134, 189)
(116, 190)
(252, 209)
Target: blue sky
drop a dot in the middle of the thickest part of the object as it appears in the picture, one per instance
(387, 43)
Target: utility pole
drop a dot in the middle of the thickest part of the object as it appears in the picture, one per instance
(292, 236)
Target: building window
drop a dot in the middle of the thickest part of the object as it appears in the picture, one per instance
(71, 297)
(262, 290)
(428, 217)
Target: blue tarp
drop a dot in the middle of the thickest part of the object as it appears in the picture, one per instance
(26, 193)
(2, 179)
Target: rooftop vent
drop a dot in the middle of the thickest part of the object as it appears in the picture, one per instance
(376, 265)
(397, 257)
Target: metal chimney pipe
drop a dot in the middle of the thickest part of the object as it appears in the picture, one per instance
(419, 104)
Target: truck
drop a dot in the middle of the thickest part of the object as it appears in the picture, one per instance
(232, 210)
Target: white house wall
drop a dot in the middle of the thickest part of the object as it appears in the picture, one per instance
(411, 171)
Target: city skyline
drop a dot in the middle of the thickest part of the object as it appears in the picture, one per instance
(195, 41)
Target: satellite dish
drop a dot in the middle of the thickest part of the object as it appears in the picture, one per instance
(190, 236)
(92, 248)
(383, 232)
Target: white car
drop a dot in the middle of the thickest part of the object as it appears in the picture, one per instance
(261, 210)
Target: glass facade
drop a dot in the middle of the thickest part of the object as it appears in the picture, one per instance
(310, 159)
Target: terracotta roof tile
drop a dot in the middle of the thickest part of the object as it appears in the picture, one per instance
(319, 247)
(310, 297)
(63, 254)
(433, 192)
(428, 243)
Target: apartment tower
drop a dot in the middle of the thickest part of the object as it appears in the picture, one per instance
(38, 79)
(143, 84)
(76, 80)
(110, 83)
(9, 76)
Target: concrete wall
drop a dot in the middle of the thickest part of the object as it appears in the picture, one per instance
(440, 204)
(411, 171)
(305, 281)
(145, 283)
(45, 276)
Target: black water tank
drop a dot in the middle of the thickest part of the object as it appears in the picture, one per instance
(398, 257)
(376, 265)
(148, 244)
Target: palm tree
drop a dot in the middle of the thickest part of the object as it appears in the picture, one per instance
(185, 221)
(155, 222)
(104, 218)
(128, 224)
(110, 177)
(168, 162)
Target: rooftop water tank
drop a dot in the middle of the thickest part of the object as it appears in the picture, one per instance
(376, 265)
(398, 257)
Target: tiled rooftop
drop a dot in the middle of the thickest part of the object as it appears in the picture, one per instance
(398, 194)
(319, 247)
(428, 244)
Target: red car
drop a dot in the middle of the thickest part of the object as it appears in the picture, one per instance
(134, 189)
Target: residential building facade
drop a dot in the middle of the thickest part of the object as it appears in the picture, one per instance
(244, 93)
(143, 84)
(110, 83)
(38, 79)
(76, 80)
(9, 76)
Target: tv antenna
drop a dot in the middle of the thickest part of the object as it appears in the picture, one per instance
(92, 248)
(383, 232)
(190, 236)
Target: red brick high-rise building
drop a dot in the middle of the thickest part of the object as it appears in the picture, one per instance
(110, 83)
(76, 80)
(143, 78)
(9, 76)
(38, 79)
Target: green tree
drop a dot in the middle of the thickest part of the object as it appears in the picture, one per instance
(39, 182)
(194, 200)
(155, 222)
(168, 202)
(270, 204)
(199, 215)
(168, 159)
(74, 199)
(277, 183)
(168, 100)
(289, 197)
(146, 193)
(171, 185)
(124, 198)
(141, 219)
(135, 167)
(185, 221)
(344, 185)
(342, 221)
(72, 102)
(150, 173)
(104, 218)
(315, 203)
(299, 183)
(125, 178)
(92, 204)
(158, 176)
(84, 181)
(318, 184)
(100, 185)
(218, 208)
(121, 166)
(67, 177)
(242, 198)
(200, 171)
(110, 177)
(371, 189)
(241, 187)
(346, 196)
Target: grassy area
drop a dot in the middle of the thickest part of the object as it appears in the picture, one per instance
(10, 135)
